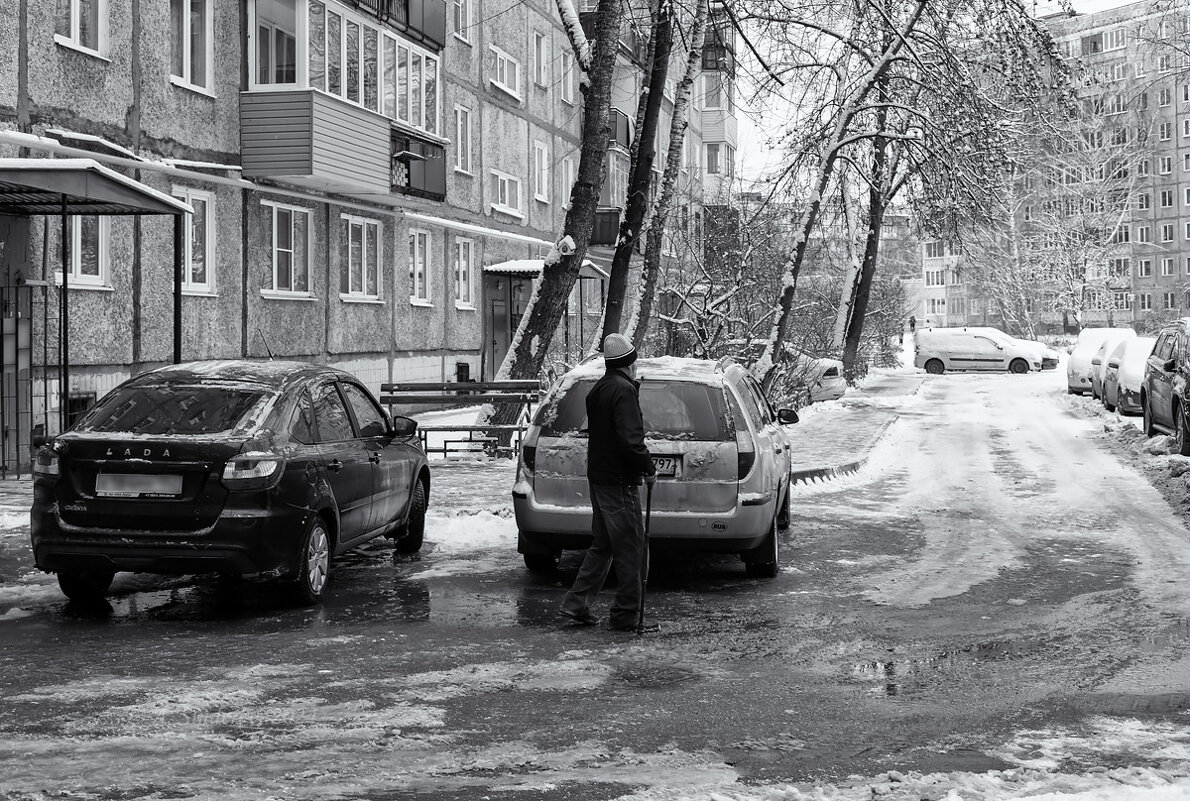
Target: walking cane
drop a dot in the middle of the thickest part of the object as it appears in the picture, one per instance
(644, 573)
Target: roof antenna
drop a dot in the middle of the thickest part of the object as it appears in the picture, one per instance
(267, 349)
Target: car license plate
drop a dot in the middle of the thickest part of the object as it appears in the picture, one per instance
(136, 485)
(666, 465)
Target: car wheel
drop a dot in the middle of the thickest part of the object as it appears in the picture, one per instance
(415, 526)
(1111, 407)
(542, 562)
(85, 587)
(765, 561)
(314, 564)
(935, 367)
(1181, 434)
(1018, 366)
(1146, 420)
(783, 515)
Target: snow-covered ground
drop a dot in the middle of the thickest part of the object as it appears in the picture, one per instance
(475, 521)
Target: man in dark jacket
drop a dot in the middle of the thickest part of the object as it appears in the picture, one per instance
(617, 459)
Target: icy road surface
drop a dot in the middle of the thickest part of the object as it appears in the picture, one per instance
(993, 607)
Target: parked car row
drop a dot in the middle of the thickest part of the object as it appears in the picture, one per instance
(1165, 389)
(978, 348)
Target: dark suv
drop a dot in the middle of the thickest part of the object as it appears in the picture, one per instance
(1165, 390)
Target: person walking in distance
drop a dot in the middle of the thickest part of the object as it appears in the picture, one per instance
(617, 461)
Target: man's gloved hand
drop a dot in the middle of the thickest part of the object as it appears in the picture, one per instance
(651, 479)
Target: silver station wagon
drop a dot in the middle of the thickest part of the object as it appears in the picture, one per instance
(722, 456)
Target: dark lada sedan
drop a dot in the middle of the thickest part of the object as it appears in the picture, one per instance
(230, 467)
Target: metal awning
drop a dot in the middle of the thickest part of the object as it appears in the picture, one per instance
(69, 187)
(531, 268)
(81, 186)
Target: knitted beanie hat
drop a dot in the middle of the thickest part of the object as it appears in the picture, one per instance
(618, 351)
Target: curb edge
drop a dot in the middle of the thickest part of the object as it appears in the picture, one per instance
(833, 471)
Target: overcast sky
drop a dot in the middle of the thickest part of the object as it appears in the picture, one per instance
(755, 159)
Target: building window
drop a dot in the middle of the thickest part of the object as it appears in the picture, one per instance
(190, 42)
(289, 238)
(1165, 165)
(81, 24)
(1188, 231)
(1144, 268)
(1123, 300)
(1120, 235)
(713, 158)
(1115, 39)
(1142, 167)
(1164, 97)
(1117, 268)
(567, 77)
(1186, 162)
(198, 240)
(1165, 131)
(1145, 300)
(89, 239)
(1168, 300)
(276, 43)
(567, 177)
(1143, 234)
(464, 265)
(1167, 265)
(541, 173)
(506, 72)
(1166, 198)
(460, 17)
(1167, 233)
(541, 63)
(463, 139)
(420, 263)
(1143, 201)
(1186, 93)
(359, 257)
(506, 193)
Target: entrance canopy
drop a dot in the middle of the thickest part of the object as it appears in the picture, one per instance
(531, 268)
(68, 187)
(80, 186)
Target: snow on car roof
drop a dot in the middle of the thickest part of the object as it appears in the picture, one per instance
(702, 370)
(263, 371)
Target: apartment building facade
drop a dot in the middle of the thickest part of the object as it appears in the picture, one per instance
(1133, 75)
(373, 183)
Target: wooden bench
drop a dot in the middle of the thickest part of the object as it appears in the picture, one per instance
(492, 439)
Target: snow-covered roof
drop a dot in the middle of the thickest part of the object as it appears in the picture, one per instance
(531, 268)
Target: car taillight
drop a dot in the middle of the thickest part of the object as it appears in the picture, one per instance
(251, 470)
(46, 465)
(745, 453)
(529, 457)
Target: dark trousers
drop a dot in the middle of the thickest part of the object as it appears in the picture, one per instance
(617, 540)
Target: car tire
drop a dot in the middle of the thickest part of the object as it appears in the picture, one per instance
(935, 367)
(414, 530)
(85, 587)
(1181, 432)
(1072, 391)
(542, 562)
(783, 515)
(1018, 366)
(1111, 407)
(1146, 420)
(765, 561)
(314, 564)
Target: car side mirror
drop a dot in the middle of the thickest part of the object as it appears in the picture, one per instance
(1169, 365)
(786, 417)
(404, 426)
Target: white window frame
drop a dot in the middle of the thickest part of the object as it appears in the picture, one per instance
(73, 39)
(1115, 39)
(1167, 232)
(1145, 301)
(273, 290)
(421, 253)
(1167, 194)
(1169, 300)
(567, 77)
(1165, 131)
(462, 142)
(1143, 233)
(186, 79)
(1186, 123)
(503, 181)
(1164, 97)
(499, 77)
(460, 17)
(102, 254)
(189, 286)
(1165, 165)
(464, 285)
(541, 60)
(568, 178)
(718, 158)
(541, 172)
(1144, 268)
(352, 220)
(1167, 266)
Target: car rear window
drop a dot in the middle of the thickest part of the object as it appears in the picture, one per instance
(172, 409)
(671, 410)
